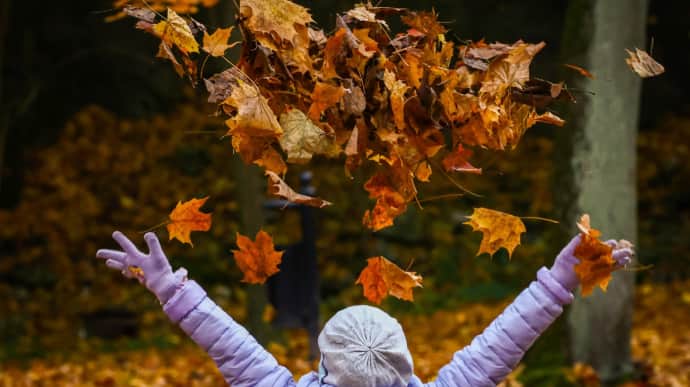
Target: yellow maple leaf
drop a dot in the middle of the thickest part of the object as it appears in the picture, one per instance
(276, 17)
(175, 30)
(186, 218)
(499, 229)
(302, 139)
(216, 43)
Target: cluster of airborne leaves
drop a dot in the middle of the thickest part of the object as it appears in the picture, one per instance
(407, 104)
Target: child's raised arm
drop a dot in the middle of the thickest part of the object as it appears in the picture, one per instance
(496, 352)
(241, 360)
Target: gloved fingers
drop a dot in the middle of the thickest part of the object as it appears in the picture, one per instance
(569, 249)
(612, 242)
(126, 244)
(622, 256)
(115, 255)
(153, 244)
(115, 264)
(180, 274)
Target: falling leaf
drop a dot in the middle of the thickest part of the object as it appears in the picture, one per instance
(596, 261)
(382, 277)
(392, 190)
(253, 117)
(499, 229)
(549, 118)
(175, 30)
(302, 139)
(323, 97)
(186, 218)
(276, 17)
(220, 85)
(257, 260)
(580, 70)
(456, 161)
(278, 187)
(164, 52)
(397, 90)
(643, 64)
(217, 43)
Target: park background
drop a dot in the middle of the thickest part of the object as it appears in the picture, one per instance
(96, 135)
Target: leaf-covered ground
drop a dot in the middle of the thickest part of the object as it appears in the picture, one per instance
(661, 346)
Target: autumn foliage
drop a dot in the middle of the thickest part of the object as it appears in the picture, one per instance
(186, 218)
(404, 105)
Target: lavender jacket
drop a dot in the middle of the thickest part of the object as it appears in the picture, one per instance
(485, 362)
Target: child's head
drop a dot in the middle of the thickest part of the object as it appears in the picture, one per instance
(364, 346)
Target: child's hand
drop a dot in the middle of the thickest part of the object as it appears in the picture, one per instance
(153, 269)
(563, 268)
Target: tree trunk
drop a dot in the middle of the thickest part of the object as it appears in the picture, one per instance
(250, 196)
(597, 167)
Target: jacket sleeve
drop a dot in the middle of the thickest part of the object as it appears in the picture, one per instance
(496, 352)
(241, 360)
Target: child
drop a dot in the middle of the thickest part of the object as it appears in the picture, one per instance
(361, 346)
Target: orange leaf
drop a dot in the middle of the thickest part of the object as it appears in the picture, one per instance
(278, 187)
(644, 65)
(596, 261)
(499, 229)
(323, 97)
(392, 191)
(382, 277)
(457, 161)
(580, 70)
(217, 43)
(257, 260)
(186, 218)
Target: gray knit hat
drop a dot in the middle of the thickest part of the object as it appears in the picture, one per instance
(362, 346)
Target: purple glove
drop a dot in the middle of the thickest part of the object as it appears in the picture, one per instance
(563, 268)
(153, 269)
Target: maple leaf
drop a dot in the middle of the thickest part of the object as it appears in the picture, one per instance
(382, 277)
(596, 258)
(217, 43)
(257, 260)
(302, 139)
(278, 187)
(392, 191)
(512, 70)
(323, 97)
(186, 217)
(276, 18)
(644, 65)
(176, 31)
(499, 229)
(253, 116)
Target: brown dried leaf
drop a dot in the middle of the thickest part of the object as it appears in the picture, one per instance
(278, 187)
(644, 65)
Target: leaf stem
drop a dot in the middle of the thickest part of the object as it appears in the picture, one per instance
(539, 218)
(161, 224)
